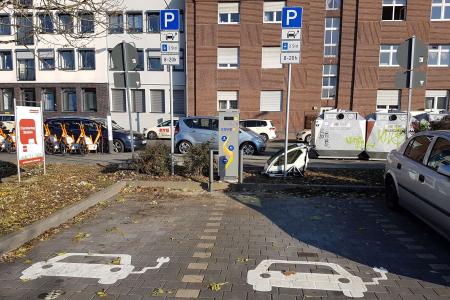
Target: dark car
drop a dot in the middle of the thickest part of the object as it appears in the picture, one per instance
(121, 137)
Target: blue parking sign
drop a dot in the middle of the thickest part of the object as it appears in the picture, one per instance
(292, 17)
(170, 19)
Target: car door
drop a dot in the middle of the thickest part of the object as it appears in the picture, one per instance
(435, 190)
(410, 176)
(201, 132)
(163, 129)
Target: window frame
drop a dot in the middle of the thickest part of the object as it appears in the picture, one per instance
(392, 51)
(63, 29)
(334, 7)
(394, 5)
(27, 32)
(45, 91)
(135, 14)
(432, 149)
(81, 60)
(6, 25)
(410, 145)
(229, 66)
(274, 13)
(120, 28)
(228, 14)
(228, 101)
(80, 22)
(150, 13)
(152, 54)
(63, 109)
(435, 102)
(329, 75)
(42, 62)
(443, 6)
(43, 29)
(444, 48)
(333, 29)
(11, 60)
(60, 60)
(84, 91)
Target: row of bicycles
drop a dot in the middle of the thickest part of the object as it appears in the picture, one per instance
(7, 141)
(68, 143)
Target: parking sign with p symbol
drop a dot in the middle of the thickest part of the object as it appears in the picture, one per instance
(292, 17)
(170, 19)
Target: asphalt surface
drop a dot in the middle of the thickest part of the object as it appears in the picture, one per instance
(325, 247)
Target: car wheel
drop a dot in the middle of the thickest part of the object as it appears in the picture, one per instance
(49, 148)
(118, 146)
(152, 135)
(308, 138)
(248, 148)
(264, 137)
(391, 196)
(184, 147)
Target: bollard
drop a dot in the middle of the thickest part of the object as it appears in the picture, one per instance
(211, 170)
(241, 166)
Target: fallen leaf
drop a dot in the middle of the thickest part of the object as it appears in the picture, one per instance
(102, 293)
(288, 273)
(81, 236)
(158, 292)
(214, 286)
(116, 261)
(28, 261)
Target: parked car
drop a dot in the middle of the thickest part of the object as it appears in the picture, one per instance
(121, 137)
(304, 136)
(160, 131)
(417, 178)
(262, 127)
(197, 130)
(7, 122)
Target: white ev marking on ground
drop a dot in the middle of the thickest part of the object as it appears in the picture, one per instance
(352, 286)
(107, 274)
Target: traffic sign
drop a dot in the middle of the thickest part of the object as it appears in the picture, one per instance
(170, 47)
(404, 53)
(292, 17)
(290, 46)
(170, 59)
(170, 36)
(133, 80)
(117, 56)
(291, 34)
(290, 58)
(170, 19)
(402, 80)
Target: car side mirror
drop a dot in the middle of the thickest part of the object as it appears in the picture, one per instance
(444, 170)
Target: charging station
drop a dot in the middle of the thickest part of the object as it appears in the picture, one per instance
(229, 145)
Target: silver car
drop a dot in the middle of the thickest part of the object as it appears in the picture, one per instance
(197, 130)
(417, 178)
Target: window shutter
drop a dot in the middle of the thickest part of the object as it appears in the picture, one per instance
(435, 94)
(118, 100)
(46, 54)
(25, 55)
(274, 5)
(388, 97)
(271, 58)
(157, 101)
(227, 95)
(271, 100)
(228, 8)
(139, 101)
(228, 55)
(178, 102)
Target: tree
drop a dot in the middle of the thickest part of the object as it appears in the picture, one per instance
(61, 22)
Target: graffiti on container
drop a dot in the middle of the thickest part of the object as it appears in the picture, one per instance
(357, 141)
(392, 136)
(325, 136)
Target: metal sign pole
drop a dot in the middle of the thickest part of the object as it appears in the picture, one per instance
(128, 96)
(286, 132)
(43, 141)
(411, 82)
(172, 133)
(17, 140)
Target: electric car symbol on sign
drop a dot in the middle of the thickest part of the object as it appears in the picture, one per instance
(107, 274)
(352, 286)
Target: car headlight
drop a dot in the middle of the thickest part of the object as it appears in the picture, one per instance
(128, 137)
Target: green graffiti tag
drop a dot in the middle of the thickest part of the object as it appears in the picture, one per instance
(357, 141)
(395, 136)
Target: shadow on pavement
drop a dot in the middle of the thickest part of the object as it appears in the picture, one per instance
(359, 229)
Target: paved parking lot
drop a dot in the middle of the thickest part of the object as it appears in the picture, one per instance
(213, 242)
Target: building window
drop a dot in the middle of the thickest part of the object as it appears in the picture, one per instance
(24, 30)
(135, 24)
(394, 10)
(388, 56)
(154, 60)
(439, 56)
(141, 60)
(440, 10)
(46, 23)
(25, 3)
(65, 23)
(5, 25)
(158, 102)
(86, 22)
(66, 59)
(228, 58)
(29, 97)
(272, 11)
(6, 63)
(138, 101)
(436, 100)
(25, 66)
(118, 103)
(115, 23)
(388, 99)
(271, 101)
(86, 59)
(180, 67)
(8, 99)
(69, 100)
(46, 59)
(331, 39)
(89, 100)
(270, 58)
(153, 21)
(228, 13)
(329, 81)
(333, 4)
(49, 98)
(227, 100)
(179, 103)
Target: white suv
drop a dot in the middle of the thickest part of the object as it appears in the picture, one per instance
(262, 127)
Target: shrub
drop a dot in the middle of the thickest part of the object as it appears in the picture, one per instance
(154, 160)
(443, 124)
(196, 161)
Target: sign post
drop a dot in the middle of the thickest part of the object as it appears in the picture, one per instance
(170, 56)
(410, 55)
(291, 39)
